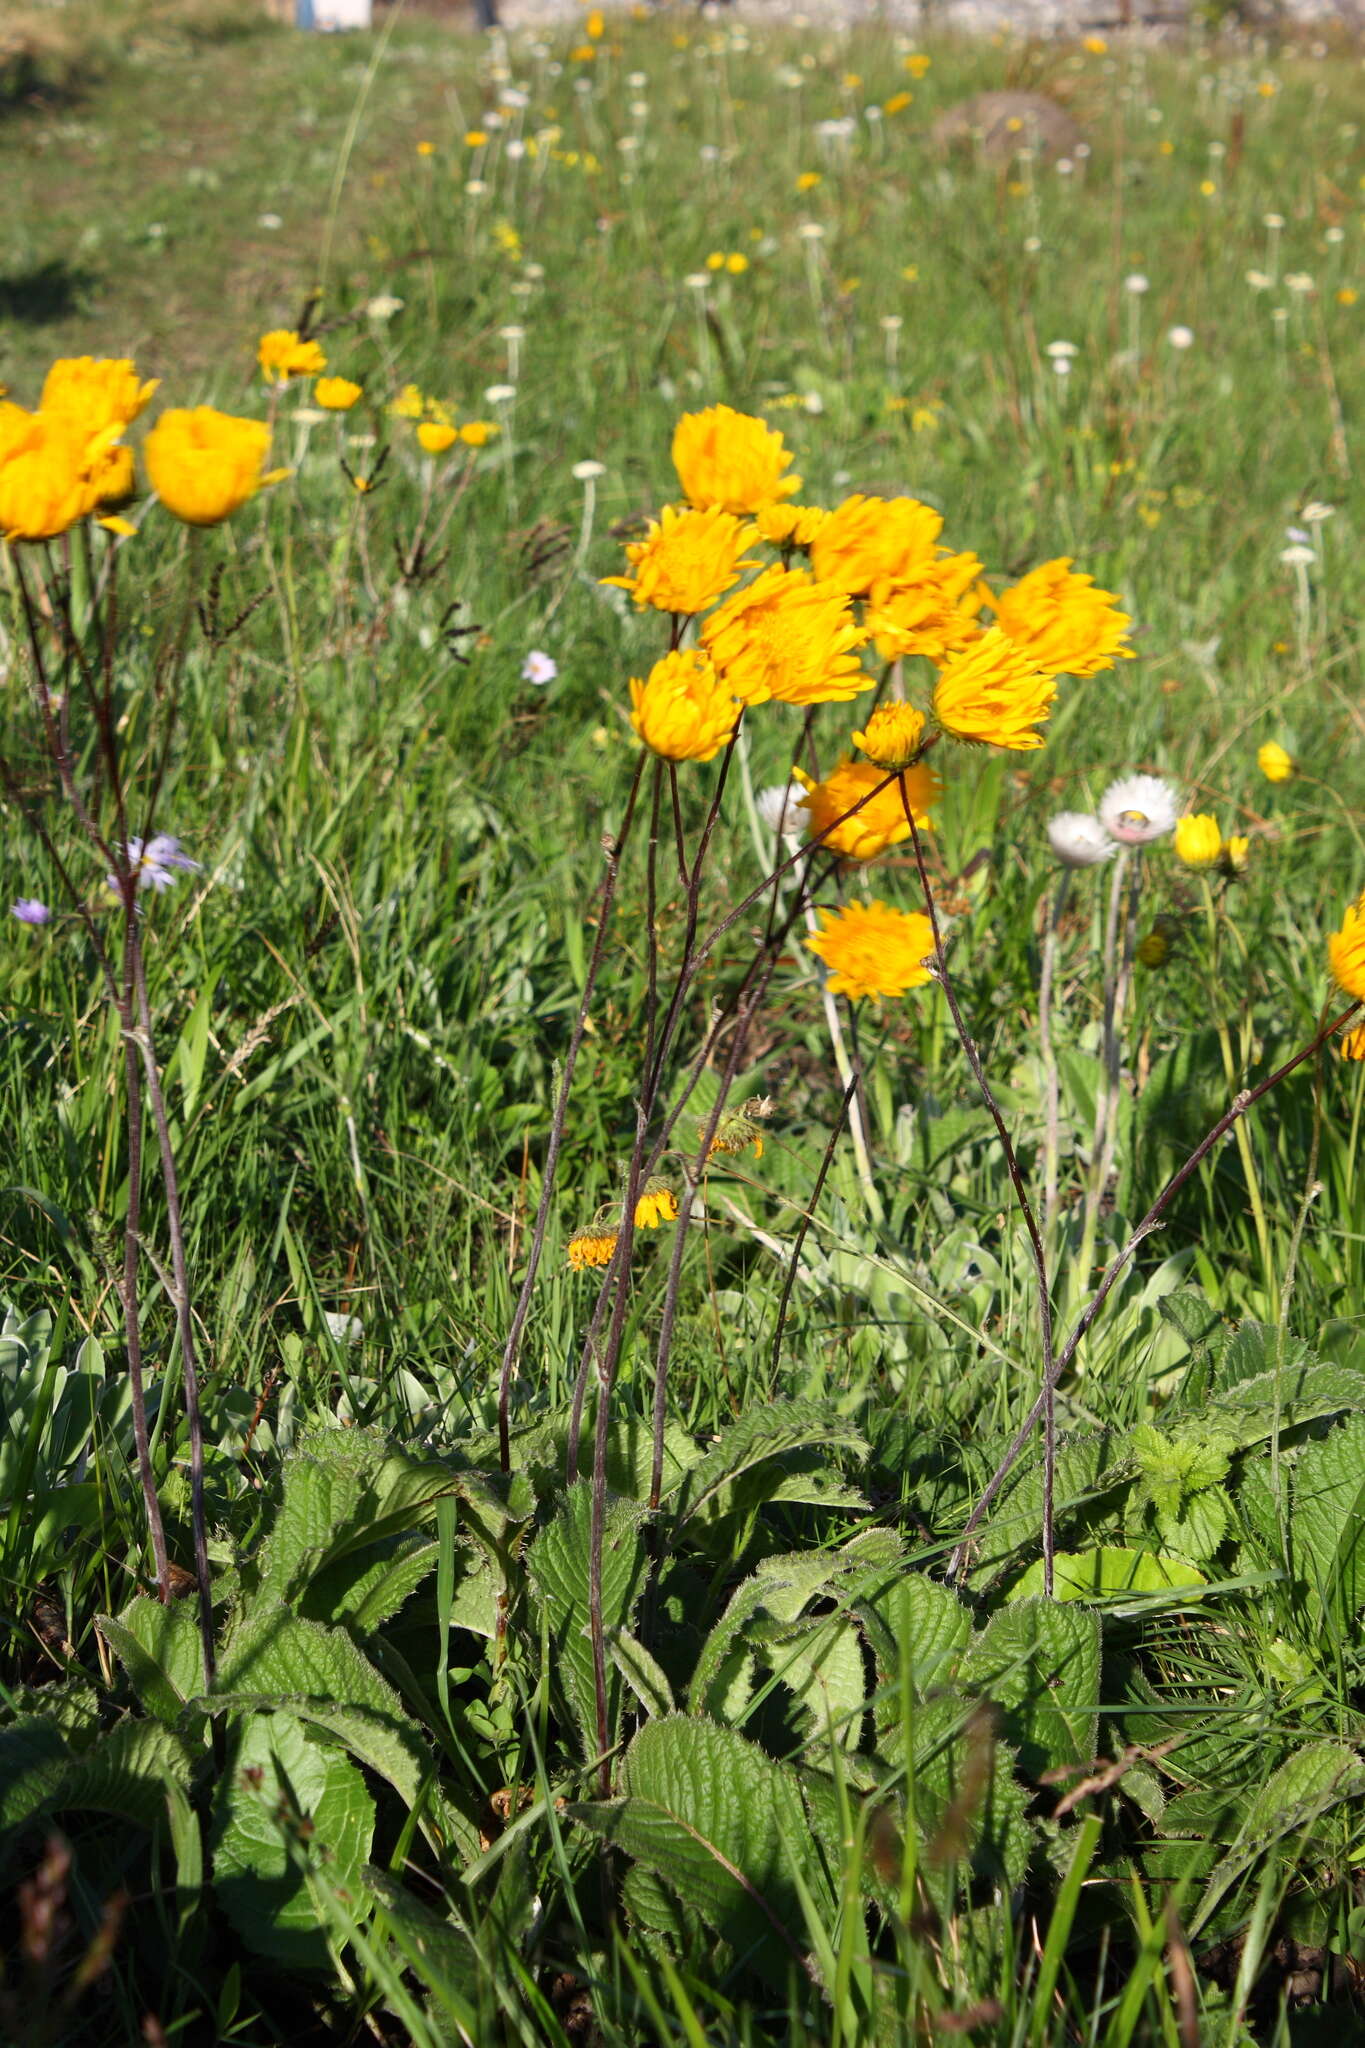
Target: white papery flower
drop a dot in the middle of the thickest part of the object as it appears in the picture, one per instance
(780, 809)
(1139, 808)
(1079, 840)
(1136, 283)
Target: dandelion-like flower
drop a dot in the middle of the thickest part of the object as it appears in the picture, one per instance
(731, 460)
(29, 910)
(935, 616)
(869, 949)
(892, 736)
(881, 820)
(1061, 618)
(204, 465)
(1274, 762)
(436, 436)
(1346, 952)
(282, 355)
(687, 559)
(657, 1204)
(994, 693)
(1198, 840)
(54, 472)
(1079, 840)
(95, 392)
(865, 541)
(684, 711)
(336, 394)
(787, 637)
(1138, 809)
(789, 526)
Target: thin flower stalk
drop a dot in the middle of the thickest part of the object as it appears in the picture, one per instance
(1051, 1091)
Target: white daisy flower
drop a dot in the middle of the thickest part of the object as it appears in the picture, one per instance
(1139, 808)
(1079, 840)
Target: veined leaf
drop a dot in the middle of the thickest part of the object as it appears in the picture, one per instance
(760, 1435)
(1105, 1572)
(1040, 1661)
(558, 1565)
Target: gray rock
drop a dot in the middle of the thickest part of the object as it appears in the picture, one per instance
(997, 125)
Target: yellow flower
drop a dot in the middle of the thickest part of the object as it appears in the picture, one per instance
(593, 1246)
(1351, 1044)
(475, 138)
(897, 103)
(716, 260)
(935, 616)
(1063, 620)
(731, 460)
(1346, 952)
(916, 64)
(808, 181)
(792, 526)
(737, 263)
(657, 1204)
(595, 25)
(789, 637)
(872, 950)
(1236, 853)
(436, 437)
(477, 433)
(881, 822)
(1347, 295)
(1207, 187)
(1198, 840)
(426, 149)
(95, 394)
(993, 693)
(52, 472)
(683, 711)
(1267, 88)
(409, 404)
(892, 736)
(876, 540)
(282, 355)
(687, 559)
(336, 394)
(738, 1128)
(204, 465)
(1274, 763)
(1096, 45)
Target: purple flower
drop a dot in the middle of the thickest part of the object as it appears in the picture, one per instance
(156, 864)
(29, 910)
(539, 668)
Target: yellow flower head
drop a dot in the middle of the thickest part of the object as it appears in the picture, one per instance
(934, 616)
(736, 263)
(1235, 853)
(95, 393)
(876, 540)
(52, 472)
(204, 464)
(683, 710)
(789, 526)
(788, 637)
(336, 394)
(1060, 618)
(807, 181)
(731, 460)
(1274, 763)
(687, 559)
(892, 736)
(993, 693)
(657, 1204)
(282, 355)
(1351, 1044)
(917, 64)
(475, 138)
(436, 437)
(593, 1246)
(881, 820)
(871, 950)
(409, 404)
(477, 433)
(1198, 840)
(1346, 952)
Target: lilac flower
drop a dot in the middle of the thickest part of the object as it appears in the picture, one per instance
(539, 668)
(156, 864)
(29, 910)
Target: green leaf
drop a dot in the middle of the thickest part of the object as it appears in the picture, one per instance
(920, 1621)
(1196, 1533)
(1302, 1392)
(821, 1665)
(1088, 1468)
(969, 1806)
(363, 1589)
(781, 1584)
(159, 1648)
(1294, 1800)
(1106, 1572)
(721, 1824)
(1040, 1661)
(124, 1772)
(1327, 1527)
(644, 1674)
(761, 1435)
(558, 1566)
(284, 1802)
(33, 1763)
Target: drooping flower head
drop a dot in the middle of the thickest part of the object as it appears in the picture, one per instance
(1079, 840)
(731, 460)
(1346, 952)
(684, 710)
(881, 820)
(282, 355)
(1274, 762)
(739, 1128)
(994, 693)
(872, 950)
(1064, 621)
(204, 465)
(1198, 840)
(1137, 809)
(787, 637)
(657, 1204)
(52, 472)
(594, 1245)
(867, 541)
(687, 559)
(892, 736)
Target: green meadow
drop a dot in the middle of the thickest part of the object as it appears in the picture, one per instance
(670, 1706)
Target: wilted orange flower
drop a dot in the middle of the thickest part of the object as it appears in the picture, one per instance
(732, 460)
(788, 637)
(687, 559)
(867, 541)
(881, 822)
(1064, 621)
(205, 464)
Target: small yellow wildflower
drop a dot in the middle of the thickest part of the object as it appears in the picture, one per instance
(409, 404)
(657, 1204)
(808, 181)
(687, 559)
(478, 433)
(475, 138)
(1346, 952)
(881, 820)
(336, 394)
(204, 465)
(916, 64)
(1274, 763)
(732, 460)
(436, 438)
(1198, 840)
(716, 260)
(426, 149)
(793, 526)
(892, 736)
(593, 1246)
(1347, 295)
(897, 103)
(282, 355)
(683, 711)
(869, 949)
(994, 693)
(876, 540)
(1207, 187)
(736, 263)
